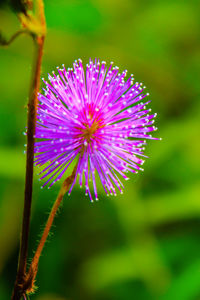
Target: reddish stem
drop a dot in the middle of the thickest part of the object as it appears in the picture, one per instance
(30, 278)
(32, 110)
(19, 287)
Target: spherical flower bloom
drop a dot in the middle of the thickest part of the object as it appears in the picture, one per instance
(96, 118)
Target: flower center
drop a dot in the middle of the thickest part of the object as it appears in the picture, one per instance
(88, 132)
(92, 122)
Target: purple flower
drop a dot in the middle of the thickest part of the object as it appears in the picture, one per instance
(95, 118)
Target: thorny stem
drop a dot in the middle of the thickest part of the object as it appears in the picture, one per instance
(30, 277)
(19, 290)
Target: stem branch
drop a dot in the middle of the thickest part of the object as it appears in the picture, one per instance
(4, 42)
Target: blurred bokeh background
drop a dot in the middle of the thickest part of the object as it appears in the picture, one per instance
(144, 244)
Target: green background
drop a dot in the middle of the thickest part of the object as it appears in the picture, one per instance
(144, 244)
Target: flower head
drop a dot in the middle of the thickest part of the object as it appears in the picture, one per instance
(96, 118)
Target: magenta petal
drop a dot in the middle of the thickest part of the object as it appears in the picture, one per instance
(96, 117)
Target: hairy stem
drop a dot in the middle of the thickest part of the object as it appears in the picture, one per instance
(30, 278)
(19, 289)
(32, 109)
